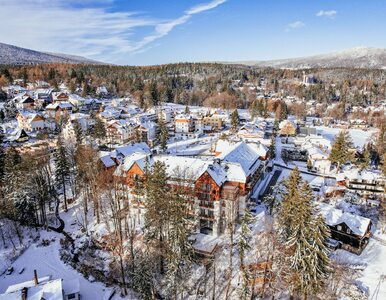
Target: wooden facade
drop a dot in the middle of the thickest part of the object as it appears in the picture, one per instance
(349, 240)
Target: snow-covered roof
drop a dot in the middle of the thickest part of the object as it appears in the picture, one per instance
(107, 161)
(49, 290)
(71, 286)
(62, 105)
(194, 167)
(130, 149)
(140, 158)
(246, 155)
(317, 182)
(354, 174)
(334, 216)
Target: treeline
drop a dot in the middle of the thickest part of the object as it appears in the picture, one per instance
(198, 83)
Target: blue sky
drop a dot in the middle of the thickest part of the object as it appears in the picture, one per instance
(145, 32)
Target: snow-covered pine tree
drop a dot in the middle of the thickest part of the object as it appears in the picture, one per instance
(243, 246)
(62, 168)
(320, 262)
(157, 215)
(306, 249)
(13, 177)
(244, 291)
(78, 133)
(163, 135)
(235, 120)
(340, 153)
(272, 148)
(99, 131)
(288, 208)
(2, 160)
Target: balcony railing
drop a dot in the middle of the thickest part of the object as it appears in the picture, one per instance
(207, 204)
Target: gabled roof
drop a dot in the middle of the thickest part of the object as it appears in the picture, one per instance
(49, 290)
(246, 155)
(107, 161)
(139, 158)
(130, 149)
(193, 168)
(29, 116)
(334, 216)
(62, 105)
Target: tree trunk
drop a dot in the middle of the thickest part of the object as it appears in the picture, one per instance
(123, 275)
(64, 194)
(214, 281)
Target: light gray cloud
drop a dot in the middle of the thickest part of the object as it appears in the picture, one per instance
(96, 32)
(295, 25)
(327, 13)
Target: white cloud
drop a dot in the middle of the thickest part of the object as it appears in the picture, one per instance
(203, 7)
(327, 13)
(96, 32)
(295, 25)
(162, 29)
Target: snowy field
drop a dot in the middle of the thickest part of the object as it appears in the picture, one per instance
(371, 266)
(360, 137)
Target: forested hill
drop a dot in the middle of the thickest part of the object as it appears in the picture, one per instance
(12, 55)
(210, 84)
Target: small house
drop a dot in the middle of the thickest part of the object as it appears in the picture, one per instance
(351, 231)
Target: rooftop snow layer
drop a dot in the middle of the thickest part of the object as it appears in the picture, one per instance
(334, 216)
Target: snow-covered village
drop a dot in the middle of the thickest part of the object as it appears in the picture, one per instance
(206, 180)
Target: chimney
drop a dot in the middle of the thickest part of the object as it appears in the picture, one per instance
(24, 293)
(36, 278)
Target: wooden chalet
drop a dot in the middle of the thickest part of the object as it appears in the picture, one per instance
(351, 231)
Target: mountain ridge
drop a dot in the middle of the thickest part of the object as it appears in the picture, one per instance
(358, 57)
(14, 55)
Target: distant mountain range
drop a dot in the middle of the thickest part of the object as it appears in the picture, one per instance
(361, 57)
(13, 55)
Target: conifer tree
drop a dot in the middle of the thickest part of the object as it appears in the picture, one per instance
(163, 135)
(260, 108)
(243, 244)
(99, 129)
(2, 160)
(78, 133)
(253, 109)
(156, 215)
(366, 159)
(272, 148)
(62, 168)
(13, 177)
(381, 141)
(235, 120)
(303, 234)
(384, 164)
(287, 211)
(340, 153)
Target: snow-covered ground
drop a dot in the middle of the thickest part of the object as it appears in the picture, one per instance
(47, 262)
(359, 137)
(372, 262)
(191, 147)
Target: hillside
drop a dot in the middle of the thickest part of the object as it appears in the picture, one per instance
(360, 57)
(13, 55)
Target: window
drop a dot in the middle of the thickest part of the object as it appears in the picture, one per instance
(339, 228)
(71, 296)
